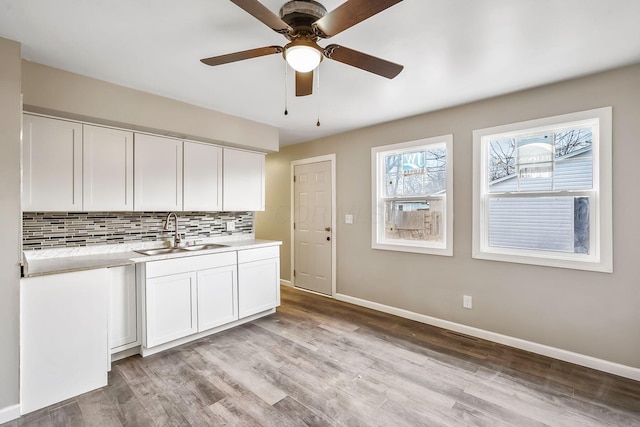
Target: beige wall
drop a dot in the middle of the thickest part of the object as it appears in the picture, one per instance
(593, 314)
(51, 91)
(10, 218)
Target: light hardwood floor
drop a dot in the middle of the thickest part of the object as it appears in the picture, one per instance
(320, 362)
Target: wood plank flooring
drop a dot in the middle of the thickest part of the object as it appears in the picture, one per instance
(321, 362)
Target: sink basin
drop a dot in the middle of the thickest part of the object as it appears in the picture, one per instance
(164, 251)
(160, 251)
(204, 247)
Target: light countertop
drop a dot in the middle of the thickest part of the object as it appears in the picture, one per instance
(36, 265)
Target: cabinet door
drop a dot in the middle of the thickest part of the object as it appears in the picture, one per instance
(107, 169)
(217, 297)
(258, 286)
(202, 186)
(243, 181)
(63, 336)
(123, 309)
(52, 164)
(158, 173)
(171, 308)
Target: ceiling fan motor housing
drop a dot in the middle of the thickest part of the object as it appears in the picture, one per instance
(301, 14)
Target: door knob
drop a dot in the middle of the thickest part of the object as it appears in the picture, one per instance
(327, 229)
(328, 239)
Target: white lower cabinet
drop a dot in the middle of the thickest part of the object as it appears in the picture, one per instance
(184, 296)
(192, 295)
(217, 297)
(124, 320)
(258, 280)
(171, 308)
(64, 344)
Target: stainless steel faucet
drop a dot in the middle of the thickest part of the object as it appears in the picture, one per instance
(176, 237)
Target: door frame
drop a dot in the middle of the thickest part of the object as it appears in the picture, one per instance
(332, 159)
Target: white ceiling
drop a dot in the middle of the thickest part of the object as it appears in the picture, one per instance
(454, 51)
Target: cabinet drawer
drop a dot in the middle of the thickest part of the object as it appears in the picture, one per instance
(249, 255)
(188, 264)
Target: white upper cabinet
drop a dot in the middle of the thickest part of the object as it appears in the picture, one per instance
(107, 169)
(52, 164)
(243, 180)
(70, 167)
(157, 173)
(202, 185)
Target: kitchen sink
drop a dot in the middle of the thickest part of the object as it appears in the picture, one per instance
(204, 247)
(160, 251)
(164, 251)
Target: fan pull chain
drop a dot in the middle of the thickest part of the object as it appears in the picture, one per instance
(286, 110)
(318, 92)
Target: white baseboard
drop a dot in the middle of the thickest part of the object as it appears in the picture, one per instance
(286, 283)
(545, 350)
(9, 413)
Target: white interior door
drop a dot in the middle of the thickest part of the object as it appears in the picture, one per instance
(313, 267)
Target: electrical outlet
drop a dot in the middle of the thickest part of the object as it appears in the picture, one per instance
(348, 219)
(231, 225)
(467, 301)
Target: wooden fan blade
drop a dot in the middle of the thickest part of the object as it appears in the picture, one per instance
(363, 61)
(239, 56)
(349, 14)
(304, 83)
(264, 15)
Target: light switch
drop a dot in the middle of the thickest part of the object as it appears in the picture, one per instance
(348, 219)
(231, 226)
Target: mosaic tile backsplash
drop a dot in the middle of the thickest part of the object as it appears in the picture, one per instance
(44, 230)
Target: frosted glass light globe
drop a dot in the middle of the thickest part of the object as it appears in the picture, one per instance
(303, 58)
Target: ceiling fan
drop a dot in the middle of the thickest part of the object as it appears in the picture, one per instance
(303, 22)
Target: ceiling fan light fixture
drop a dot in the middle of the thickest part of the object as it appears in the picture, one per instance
(302, 58)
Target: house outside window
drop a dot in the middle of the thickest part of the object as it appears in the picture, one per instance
(412, 196)
(542, 192)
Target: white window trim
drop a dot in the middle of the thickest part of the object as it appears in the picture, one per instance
(377, 186)
(602, 231)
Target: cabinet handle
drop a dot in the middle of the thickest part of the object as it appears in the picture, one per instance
(327, 229)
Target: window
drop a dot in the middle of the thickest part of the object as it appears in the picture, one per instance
(542, 192)
(412, 199)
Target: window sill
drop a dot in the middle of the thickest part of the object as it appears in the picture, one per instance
(602, 266)
(425, 250)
